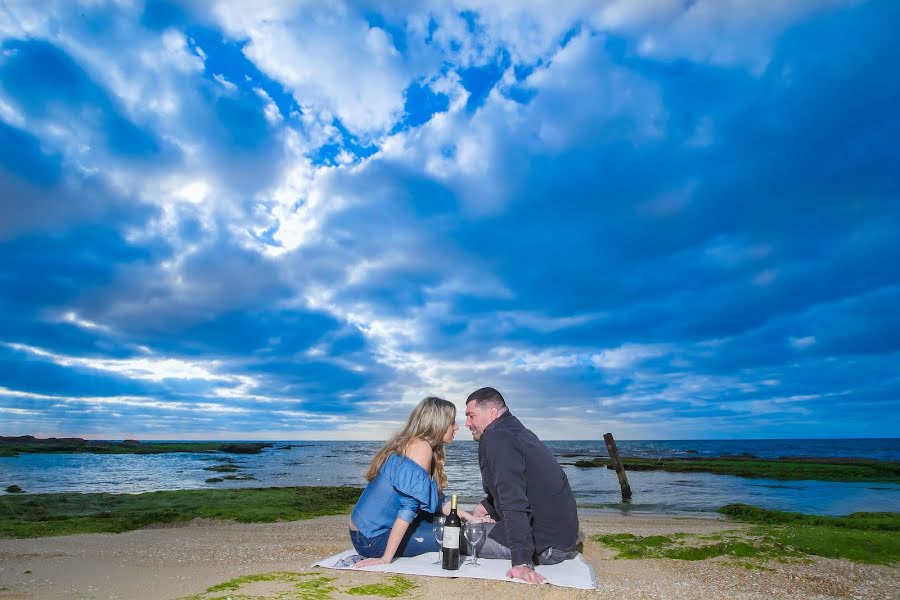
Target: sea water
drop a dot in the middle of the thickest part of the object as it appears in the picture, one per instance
(344, 463)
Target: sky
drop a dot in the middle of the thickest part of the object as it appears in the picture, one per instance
(666, 219)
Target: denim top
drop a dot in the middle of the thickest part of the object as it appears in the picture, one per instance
(401, 488)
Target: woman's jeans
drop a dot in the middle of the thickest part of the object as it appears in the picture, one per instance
(419, 539)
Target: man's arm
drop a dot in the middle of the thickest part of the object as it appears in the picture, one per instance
(486, 508)
(507, 460)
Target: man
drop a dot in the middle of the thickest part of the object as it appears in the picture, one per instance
(528, 494)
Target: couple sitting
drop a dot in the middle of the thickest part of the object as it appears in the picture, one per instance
(529, 510)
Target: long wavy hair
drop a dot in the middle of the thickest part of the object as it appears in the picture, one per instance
(429, 421)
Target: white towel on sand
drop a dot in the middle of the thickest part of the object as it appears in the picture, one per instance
(574, 573)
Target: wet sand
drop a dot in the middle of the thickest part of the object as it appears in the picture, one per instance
(174, 562)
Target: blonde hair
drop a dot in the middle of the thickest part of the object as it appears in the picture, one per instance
(428, 421)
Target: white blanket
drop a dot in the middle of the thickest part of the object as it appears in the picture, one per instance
(574, 573)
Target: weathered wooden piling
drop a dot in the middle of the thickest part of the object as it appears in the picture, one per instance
(617, 465)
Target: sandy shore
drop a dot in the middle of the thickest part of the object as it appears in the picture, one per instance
(174, 562)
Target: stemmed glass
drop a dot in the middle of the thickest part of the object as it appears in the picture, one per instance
(437, 528)
(473, 532)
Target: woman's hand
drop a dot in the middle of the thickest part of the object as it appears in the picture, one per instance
(476, 516)
(371, 562)
(484, 519)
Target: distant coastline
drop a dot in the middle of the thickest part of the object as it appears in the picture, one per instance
(15, 445)
(784, 468)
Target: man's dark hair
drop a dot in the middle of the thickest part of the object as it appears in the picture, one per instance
(487, 396)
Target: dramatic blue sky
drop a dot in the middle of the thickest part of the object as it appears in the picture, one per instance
(292, 220)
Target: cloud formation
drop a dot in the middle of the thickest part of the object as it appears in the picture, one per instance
(294, 220)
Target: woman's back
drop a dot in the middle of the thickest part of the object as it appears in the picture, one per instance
(401, 487)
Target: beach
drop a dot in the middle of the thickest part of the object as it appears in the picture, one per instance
(171, 562)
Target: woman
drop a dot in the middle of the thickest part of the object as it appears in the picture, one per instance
(406, 477)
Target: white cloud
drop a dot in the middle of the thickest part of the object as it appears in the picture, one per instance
(299, 204)
(328, 57)
(801, 343)
(526, 30)
(765, 278)
(143, 368)
(721, 32)
(517, 359)
(538, 322)
(143, 402)
(225, 83)
(627, 356)
(73, 318)
(10, 114)
(781, 405)
(633, 14)
(582, 90)
(273, 114)
(733, 252)
(19, 412)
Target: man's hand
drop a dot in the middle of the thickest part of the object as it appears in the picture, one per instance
(479, 511)
(370, 562)
(526, 574)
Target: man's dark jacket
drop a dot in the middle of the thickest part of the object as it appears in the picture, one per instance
(528, 493)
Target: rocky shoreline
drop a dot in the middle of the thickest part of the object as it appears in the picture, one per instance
(15, 445)
(748, 465)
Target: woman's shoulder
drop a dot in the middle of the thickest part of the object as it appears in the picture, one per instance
(419, 451)
(410, 475)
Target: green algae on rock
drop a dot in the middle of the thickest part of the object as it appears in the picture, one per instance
(396, 586)
(222, 468)
(13, 446)
(861, 537)
(301, 586)
(38, 515)
(297, 586)
(787, 468)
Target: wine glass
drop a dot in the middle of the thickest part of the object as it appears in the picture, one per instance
(473, 532)
(437, 528)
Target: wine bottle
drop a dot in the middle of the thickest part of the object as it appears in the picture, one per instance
(450, 549)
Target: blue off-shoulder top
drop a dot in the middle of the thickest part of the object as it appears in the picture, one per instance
(401, 489)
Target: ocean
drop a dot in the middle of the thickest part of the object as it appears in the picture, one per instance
(289, 463)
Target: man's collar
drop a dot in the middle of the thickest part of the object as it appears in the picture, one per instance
(505, 414)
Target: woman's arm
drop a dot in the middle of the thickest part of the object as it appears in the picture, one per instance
(398, 530)
(420, 452)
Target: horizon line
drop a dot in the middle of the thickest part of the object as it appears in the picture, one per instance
(267, 440)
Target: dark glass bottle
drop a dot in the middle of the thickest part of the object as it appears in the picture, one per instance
(452, 528)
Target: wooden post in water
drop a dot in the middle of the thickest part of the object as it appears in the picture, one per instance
(617, 465)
